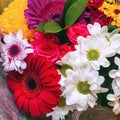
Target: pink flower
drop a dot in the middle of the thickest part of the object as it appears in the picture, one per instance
(64, 49)
(40, 36)
(77, 30)
(100, 17)
(46, 45)
(95, 3)
(40, 11)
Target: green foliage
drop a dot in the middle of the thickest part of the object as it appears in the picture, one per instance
(67, 5)
(50, 27)
(71, 12)
(74, 11)
(41, 27)
(111, 28)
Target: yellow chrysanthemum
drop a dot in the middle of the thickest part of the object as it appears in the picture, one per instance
(12, 19)
(112, 9)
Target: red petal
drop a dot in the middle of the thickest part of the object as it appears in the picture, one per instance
(45, 108)
(26, 105)
(13, 85)
(34, 108)
(48, 98)
(17, 94)
(20, 102)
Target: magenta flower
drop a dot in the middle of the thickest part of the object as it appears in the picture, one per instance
(40, 11)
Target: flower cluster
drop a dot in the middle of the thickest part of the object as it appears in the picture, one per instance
(60, 56)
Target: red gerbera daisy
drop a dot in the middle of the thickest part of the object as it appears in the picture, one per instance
(36, 91)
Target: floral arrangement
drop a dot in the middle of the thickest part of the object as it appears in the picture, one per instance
(59, 56)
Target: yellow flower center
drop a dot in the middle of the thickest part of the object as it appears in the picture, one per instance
(83, 87)
(93, 54)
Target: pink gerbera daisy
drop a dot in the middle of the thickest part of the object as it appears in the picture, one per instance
(40, 11)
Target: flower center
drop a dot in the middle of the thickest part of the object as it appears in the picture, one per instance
(116, 11)
(64, 68)
(31, 84)
(83, 87)
(93, 54)
(62, 102)
(56, 17)
(14, 50)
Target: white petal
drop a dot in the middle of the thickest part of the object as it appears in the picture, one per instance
(12, 65)
(19, 35)
(112, 73)
(116, 109)
(117, 61)
(93, 87)
(111, 97)
(100, 80)
(18, 63)
(23, 65)
(29, 50)
(73, 98)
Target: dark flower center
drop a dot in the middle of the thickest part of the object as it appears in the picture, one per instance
(116, 11)
(57, 16)
(14, 50)
(31, 84)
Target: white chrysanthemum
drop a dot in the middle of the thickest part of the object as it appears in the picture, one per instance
(115, 98)
(14, 51)
(112, 38)
(97, 29)
(115, 73)
(94, 51)
(61, 110)
(59, 113)
(81, 87)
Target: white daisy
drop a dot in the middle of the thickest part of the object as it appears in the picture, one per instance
(112, 38)
(115, 73)
(97, 29)
(14, 51)
(93, 50)
(61, 110)
(81, 87)
(115, 98)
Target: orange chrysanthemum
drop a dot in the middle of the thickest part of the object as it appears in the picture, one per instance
(12, 19)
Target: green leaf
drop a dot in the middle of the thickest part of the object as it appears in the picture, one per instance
(74, 11)
(111, 28)
(41, 27)
(67, 5)
(52, 27)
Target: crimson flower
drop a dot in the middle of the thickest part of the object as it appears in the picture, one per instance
(36, 91)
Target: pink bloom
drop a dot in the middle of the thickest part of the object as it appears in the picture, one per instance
(40, 36)
(46, 45)
(100, 17)
(40, 11)
(77, 30)
(64, 49)
(95, 3)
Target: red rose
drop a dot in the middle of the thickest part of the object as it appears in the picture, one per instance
(47, 49)
(64, 49)
(100, 17)
(77, 30)
(40, 36)
(95, 3)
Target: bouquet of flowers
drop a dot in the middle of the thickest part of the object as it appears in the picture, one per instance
(59, 56)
